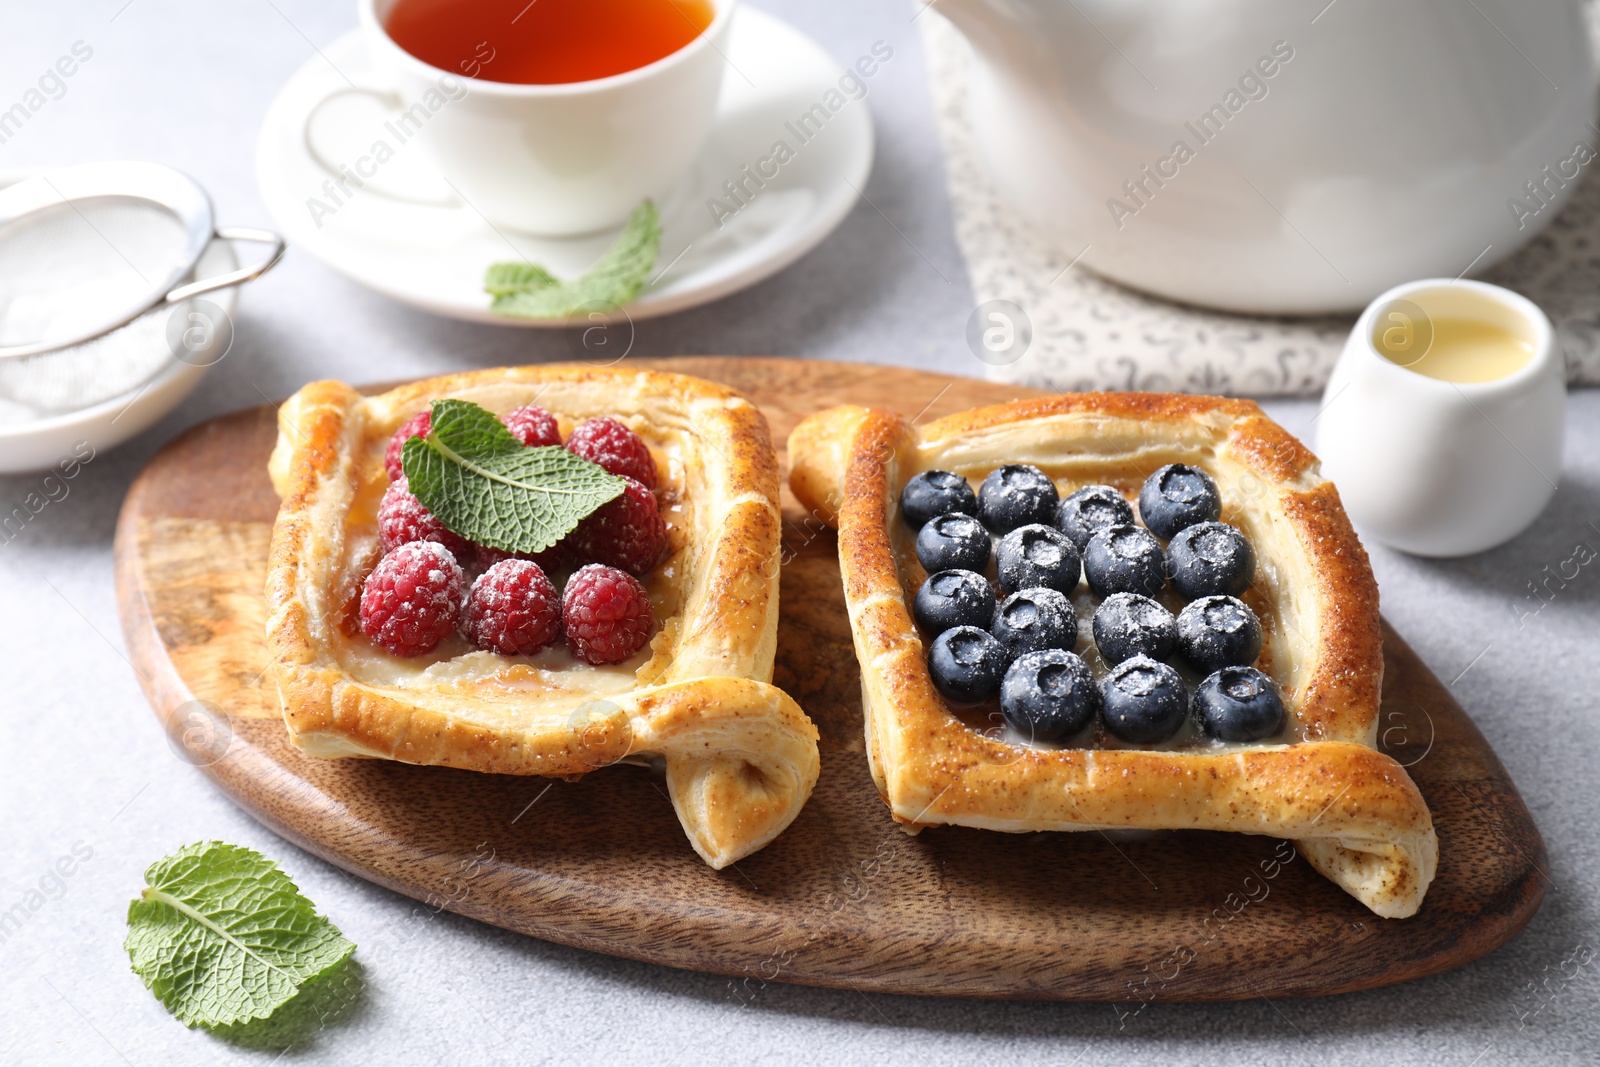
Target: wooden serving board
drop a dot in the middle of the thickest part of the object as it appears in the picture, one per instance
(843, 897)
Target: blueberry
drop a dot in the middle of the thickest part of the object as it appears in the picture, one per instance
(1177, 496)
(1049, 695)
(953, 542)
(1087, 511)
(1124, 559)
(1016, 495)
(966, 664)
(1128, 625)
(953, 598)
(1238, 704)
(934, 493)
(1209, 558)
(1218, 631)
(1037, 555)
(1142, 701)
(1031, 619)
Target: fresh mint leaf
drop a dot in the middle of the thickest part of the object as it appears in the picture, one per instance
(221, 935)
(503, 279)
(527, 291)
(323, 1002)
(485, 485)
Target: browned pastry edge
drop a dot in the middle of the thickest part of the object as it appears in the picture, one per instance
(741, 756)
(1357, 813)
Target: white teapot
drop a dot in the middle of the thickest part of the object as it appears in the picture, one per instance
(1275, 157)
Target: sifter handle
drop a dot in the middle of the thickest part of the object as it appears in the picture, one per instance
(235, 277)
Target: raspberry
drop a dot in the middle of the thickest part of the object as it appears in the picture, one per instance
(616, 448)
(627, 532)
(486, 556)
(606, 613)
(402, 518)
(513, 609)
(412, 599)
(417, 425)
(558, 557)
(532, 425)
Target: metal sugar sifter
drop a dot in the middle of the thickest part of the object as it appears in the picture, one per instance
(103, 270)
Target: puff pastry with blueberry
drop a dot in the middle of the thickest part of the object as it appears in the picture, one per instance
(1110, 610)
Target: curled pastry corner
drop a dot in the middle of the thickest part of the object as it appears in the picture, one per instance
(741, 759)
(819, 455)
(1389, 877)
(1354, 812)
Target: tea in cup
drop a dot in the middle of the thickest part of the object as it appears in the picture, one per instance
(550, 42)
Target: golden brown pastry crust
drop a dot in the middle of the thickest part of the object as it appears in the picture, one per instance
(740, 756)
(1354, 811)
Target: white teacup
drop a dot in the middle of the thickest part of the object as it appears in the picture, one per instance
(557, 159)
(1435, 467)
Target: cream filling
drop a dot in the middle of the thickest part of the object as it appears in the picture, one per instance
(455, 665)
(552, 679)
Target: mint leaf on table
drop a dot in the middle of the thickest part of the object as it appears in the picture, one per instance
(527, 291)
(487, 486)
(222, 936)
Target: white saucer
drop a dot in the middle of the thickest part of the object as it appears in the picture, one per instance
(433, 255)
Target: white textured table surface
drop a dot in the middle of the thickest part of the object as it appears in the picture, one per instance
(83, 765)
